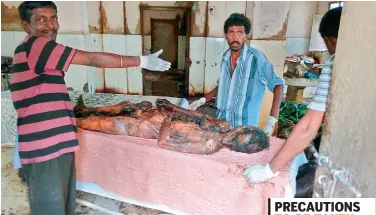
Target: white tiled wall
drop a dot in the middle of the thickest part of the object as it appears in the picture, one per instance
(269, 18)
(133, 45)
(114, 77)
(10, 40)
(132, 13)
(95, 76)
(218, 12)
(215, 48)
(196, 71)
(205, 53)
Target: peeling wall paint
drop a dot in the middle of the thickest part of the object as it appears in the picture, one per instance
(167, 3)
(10, 20)
(199, 24)
(112, 17)
(270, 20)
(300, 19)
(94, 17)
(132, 17)
(70, 17)
(249, 12)
(218, 12)
(69, 13)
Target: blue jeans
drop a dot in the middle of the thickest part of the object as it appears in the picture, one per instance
(16, 156)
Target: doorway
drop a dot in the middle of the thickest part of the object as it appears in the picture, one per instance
(164, 35)
(166, 28)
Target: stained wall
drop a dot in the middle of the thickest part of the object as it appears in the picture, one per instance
(278, 28)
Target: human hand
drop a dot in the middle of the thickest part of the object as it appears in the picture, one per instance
(269, 128)
(194, 105)
(154, 63)
(259, 173)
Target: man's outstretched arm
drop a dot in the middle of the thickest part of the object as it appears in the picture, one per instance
(109, 60)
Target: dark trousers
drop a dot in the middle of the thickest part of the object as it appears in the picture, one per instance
(52, 186)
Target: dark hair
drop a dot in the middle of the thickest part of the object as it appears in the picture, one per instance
(237, 19)
(25, 8)
(329, 25)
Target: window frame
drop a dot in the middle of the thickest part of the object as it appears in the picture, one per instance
(340, 4)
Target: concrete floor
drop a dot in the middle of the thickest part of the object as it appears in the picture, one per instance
(14, 195)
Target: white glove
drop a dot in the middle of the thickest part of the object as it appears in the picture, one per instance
(154, 63)
(269, 128)
(194, 105)
(259, 173)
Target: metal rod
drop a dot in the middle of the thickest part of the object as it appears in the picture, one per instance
(323, 161)
(341, 178)
(97, 207)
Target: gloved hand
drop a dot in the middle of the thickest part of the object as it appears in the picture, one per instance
(154, 63)
(194, 105)
(259, 173)
(269, 128)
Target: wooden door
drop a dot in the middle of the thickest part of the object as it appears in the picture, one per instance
(164, 35)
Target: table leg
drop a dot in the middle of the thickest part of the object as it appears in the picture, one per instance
(295, 94)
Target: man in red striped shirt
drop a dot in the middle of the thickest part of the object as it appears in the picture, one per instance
(45, 119)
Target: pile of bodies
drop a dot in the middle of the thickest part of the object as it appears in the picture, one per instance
(176, 128)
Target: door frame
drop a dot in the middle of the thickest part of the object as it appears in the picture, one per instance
(187, 9)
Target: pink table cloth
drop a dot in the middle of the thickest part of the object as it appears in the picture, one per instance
(194, 184)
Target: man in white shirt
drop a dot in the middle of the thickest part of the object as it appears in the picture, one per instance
(307, 128)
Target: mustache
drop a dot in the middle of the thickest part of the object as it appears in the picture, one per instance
(235, 42)
(47, 30)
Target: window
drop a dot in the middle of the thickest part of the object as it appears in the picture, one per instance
(335, 4)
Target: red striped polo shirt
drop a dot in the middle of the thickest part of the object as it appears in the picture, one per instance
(45, 120)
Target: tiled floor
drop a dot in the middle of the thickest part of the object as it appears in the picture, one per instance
(14, 200)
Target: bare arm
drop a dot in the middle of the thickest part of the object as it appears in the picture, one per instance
(278, 91)
(104, 60)
(300, 138)
(211, 94)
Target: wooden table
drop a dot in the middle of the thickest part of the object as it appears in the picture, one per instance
(296, 88)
